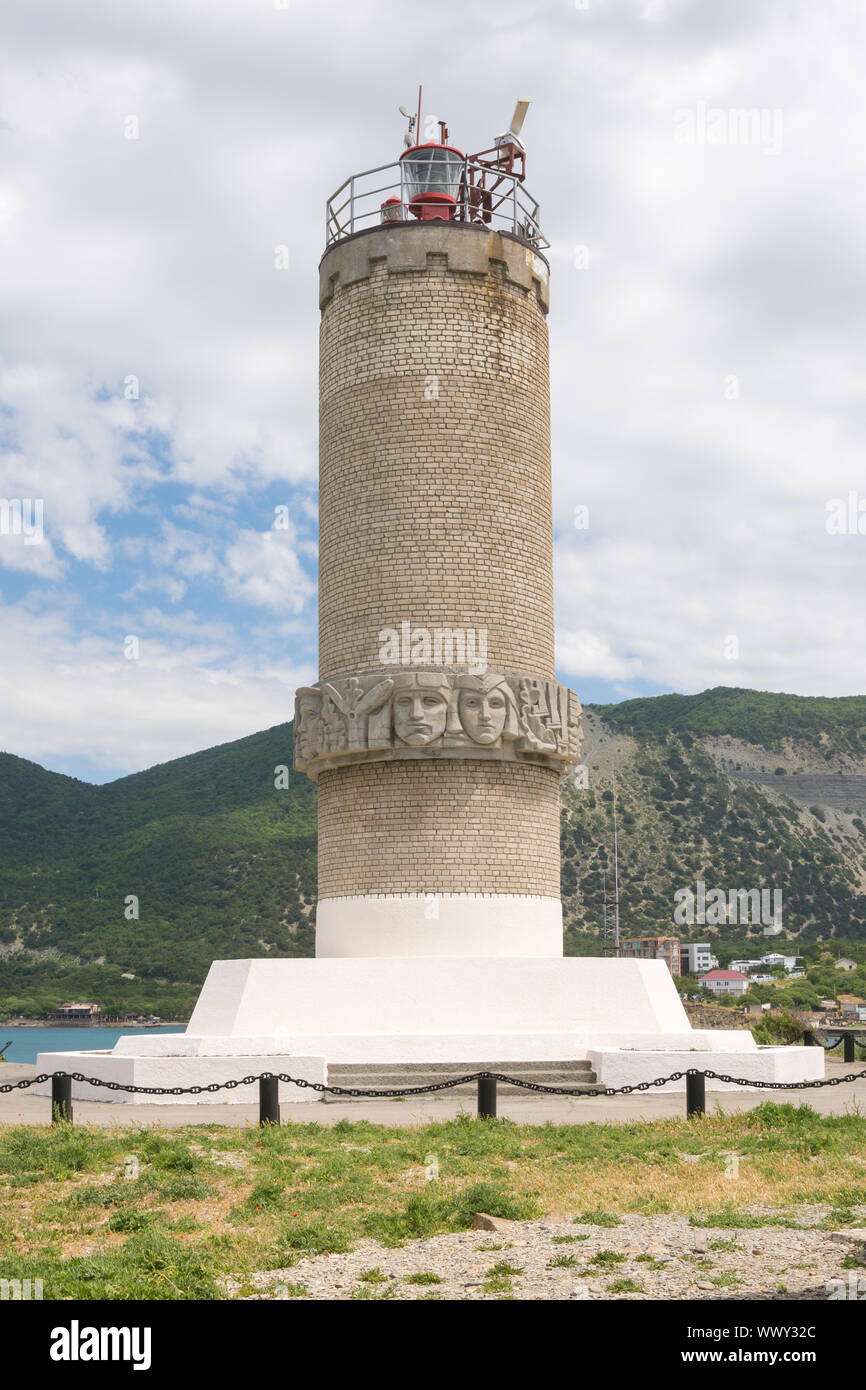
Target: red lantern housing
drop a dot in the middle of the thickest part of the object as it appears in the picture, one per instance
(432, 175)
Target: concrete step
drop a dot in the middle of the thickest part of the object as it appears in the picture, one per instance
(577, 1075)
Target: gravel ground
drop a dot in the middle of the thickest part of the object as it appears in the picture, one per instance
(665, 1256)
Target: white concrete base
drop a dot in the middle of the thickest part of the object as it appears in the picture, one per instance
(626, 1067)
(299, 1016)
(189, 1069)
(439, 924)
(434, 999)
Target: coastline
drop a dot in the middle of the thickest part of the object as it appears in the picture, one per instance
(78, 1023)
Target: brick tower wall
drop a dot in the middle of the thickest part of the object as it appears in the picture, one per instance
(435, 508)
(434, 452)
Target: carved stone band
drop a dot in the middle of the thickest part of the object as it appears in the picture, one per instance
(412, 713)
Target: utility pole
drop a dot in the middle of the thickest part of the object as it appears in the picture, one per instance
(615, 870)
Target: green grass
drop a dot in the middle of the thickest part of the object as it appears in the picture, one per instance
(183, 1220)
(597, 1217)
(729, 1218)
(650, 1262)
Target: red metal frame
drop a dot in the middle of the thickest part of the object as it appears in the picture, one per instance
(481, 201)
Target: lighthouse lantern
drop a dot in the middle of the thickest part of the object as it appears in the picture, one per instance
(432, 174)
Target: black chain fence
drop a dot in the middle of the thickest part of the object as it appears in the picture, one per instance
(432, 1087)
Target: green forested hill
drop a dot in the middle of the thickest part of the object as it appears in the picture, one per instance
(738, 788)
(221, 861)
(755, 716)
(721, 812)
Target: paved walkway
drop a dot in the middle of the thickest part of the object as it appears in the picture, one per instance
(24, 1107)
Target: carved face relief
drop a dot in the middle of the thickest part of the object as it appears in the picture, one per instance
(379, 715)
(419, 716)
(483, 714)
(308, 728)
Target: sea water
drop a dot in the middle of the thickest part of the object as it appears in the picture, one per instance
(27, 1042)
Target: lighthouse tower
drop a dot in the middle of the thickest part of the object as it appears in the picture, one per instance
(437, 732)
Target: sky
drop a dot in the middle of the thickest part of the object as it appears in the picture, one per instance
(164, 169)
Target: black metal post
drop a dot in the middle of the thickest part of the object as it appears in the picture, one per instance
(61, 1099)
(269, 1100)
(487, 1097)
(809, 1039)
(848, 1044)
(696, 1094)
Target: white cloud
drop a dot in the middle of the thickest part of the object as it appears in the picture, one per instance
(154, 258)
(68, 699)
(263, 568)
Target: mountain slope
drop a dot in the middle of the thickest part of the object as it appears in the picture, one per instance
(717, 809)
(222, 862)
(740, 789)
(756, 716)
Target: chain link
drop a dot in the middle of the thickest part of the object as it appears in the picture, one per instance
(430, 1089)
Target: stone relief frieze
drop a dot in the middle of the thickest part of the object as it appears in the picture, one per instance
(376, 716)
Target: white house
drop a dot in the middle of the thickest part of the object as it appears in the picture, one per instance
(728, 982)
(773, 958)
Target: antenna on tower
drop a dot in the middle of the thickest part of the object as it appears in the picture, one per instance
(512, 135)
(409, 137)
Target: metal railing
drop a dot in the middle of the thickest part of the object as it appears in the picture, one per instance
(486, 198)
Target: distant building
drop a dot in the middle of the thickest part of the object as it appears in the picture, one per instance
(85, 1012)
(773, 958)
(726, 982)
(766, 962)
(851, 1005)
(843, 963)
(695, 958)
(666, 948)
